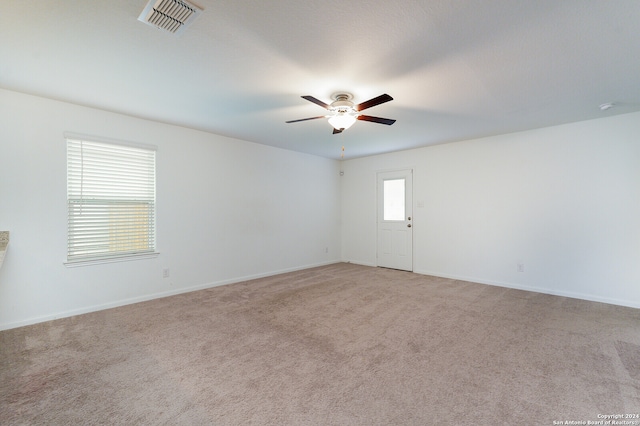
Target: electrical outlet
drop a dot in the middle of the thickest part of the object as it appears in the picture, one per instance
(520, 267)
(165, 273)
(326, 249)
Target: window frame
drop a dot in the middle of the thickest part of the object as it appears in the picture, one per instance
(109, 203)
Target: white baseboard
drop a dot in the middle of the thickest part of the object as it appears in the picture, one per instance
(361, 263)
(543, 290)
(153, 296)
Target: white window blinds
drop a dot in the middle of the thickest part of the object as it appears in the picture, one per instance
(111, 200)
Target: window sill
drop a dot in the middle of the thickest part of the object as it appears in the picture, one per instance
(99, 261)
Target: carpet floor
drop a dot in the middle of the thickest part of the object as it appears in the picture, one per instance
(336, 345)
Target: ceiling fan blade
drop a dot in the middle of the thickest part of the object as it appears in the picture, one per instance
(336, 131)
(305, 119)
(373, 102)
(386, 121)
(315, 101)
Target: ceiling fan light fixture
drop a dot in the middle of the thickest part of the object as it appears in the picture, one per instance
(342, 120)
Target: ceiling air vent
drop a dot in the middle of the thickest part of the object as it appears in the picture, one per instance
(169, 15)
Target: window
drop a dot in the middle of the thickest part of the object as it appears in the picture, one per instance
(393, 196)
(111, 200)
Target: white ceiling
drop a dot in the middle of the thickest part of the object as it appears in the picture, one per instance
(456, 69)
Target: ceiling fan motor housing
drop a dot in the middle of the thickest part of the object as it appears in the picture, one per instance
(342, 103)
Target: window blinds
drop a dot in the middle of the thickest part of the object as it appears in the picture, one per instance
(111, 200)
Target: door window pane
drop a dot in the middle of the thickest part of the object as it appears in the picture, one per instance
(393, 198)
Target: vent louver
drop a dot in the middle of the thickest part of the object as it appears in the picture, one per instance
(169, 15)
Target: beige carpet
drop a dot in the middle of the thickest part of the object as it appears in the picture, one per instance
(336, 345)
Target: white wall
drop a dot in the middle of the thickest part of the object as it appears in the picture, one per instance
(563, 201)
(226, 210)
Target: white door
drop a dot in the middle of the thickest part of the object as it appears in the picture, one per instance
(395, 227)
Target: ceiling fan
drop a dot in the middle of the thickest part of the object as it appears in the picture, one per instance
(343, 113)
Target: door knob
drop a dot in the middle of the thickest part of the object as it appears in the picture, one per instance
(409, 226)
